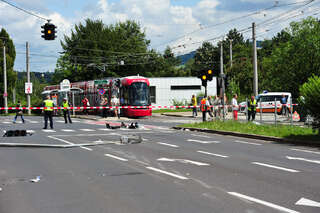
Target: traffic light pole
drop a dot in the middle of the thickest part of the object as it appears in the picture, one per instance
(28, 76)
(5, 93)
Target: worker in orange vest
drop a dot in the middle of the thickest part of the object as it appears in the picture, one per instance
(203, 108)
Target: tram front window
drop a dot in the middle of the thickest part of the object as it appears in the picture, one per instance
(139, 94)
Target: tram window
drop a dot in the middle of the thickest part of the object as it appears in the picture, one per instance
(153, 94)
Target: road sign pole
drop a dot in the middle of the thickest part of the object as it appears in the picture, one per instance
(28, 76)
(5, 94)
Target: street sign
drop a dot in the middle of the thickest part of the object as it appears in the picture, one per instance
(65, 85)
(102, 91)
(28, 88)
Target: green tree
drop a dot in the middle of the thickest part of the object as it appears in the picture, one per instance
(310, 92)
(95, 50)
(295, 58)
(10, 59)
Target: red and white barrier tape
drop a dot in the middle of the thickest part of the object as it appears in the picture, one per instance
(130, 107)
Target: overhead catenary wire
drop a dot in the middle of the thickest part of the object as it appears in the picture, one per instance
(24, 10)
(232, 20)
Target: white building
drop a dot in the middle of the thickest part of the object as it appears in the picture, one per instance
(164, 91)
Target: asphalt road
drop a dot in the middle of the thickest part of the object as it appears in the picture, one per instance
(170, 171)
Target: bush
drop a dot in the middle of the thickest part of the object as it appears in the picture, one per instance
(311, 95)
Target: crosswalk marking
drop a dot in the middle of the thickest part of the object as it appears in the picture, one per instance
(67, 130)
(104, 129)
(87, 130)
(48, 130)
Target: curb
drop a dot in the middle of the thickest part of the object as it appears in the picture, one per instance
(252, 136)
(175, 115)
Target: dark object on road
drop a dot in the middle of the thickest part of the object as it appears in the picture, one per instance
(131, 139)
(134, 125)
(16, 133)
(123, 125)
(108, 126)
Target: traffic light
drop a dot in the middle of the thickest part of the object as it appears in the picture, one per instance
(49, 31)
(226, 81)
(209, 75)
(204, 77)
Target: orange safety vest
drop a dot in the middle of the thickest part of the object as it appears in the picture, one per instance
(203, 105)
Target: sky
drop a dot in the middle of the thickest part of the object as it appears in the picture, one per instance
(181, 24)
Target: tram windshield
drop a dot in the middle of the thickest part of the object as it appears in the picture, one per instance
(139, 94)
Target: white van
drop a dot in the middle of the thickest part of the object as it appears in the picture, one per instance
(268, 100)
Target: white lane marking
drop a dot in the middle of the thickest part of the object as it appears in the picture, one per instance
(104, 129)
(7, 122)
(75, 121)
(203, 142)
(213, 154)
(67, 130)
(87, 130)
(167, 173)
(275, 167)
(271, 205)
(115, 157)
(167, 144)
(184, 161)
(308, 151)
(306, 202)
(60, 121)
(245, 142)
(202, 136)
(67, 142)
(303, 159)
(48, 130)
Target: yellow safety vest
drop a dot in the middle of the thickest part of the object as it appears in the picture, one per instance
(254, 103)
(65, 104)
(48, 103)
(194, 101)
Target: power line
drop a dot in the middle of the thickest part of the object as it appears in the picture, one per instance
(234, 19)
(24, 10)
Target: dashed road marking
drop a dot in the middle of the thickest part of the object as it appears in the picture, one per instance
(245, 142)
(213, 154)
(167, 173)
(275, 167)
(115, 157)
(167, 144)
(203, 142)
(304, 150)
(303, 159)
(265, 203)
(202, 136)
(67, 142)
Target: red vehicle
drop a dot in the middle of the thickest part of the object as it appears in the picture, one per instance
(132, 92)
(135, 92)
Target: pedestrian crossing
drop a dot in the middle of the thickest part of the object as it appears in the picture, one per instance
(34, 122)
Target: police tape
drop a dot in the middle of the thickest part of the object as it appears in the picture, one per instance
(137, 107)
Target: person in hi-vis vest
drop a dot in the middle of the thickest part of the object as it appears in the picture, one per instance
(48, 111)
(203, 108)
(66, 112)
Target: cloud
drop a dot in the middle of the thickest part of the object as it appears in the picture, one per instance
(166, 22)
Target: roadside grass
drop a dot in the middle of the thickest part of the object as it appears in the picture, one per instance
(281, 131)
(171, 110)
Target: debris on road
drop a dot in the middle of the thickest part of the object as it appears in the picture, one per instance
(16, 133)
(133, 139)
(35, 180)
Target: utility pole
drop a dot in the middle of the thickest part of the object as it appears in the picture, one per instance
(230, 52)
(222, 78)
(28, 76)
(5, 94)
(255, 61)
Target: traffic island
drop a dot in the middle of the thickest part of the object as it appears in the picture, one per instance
(279, 133)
